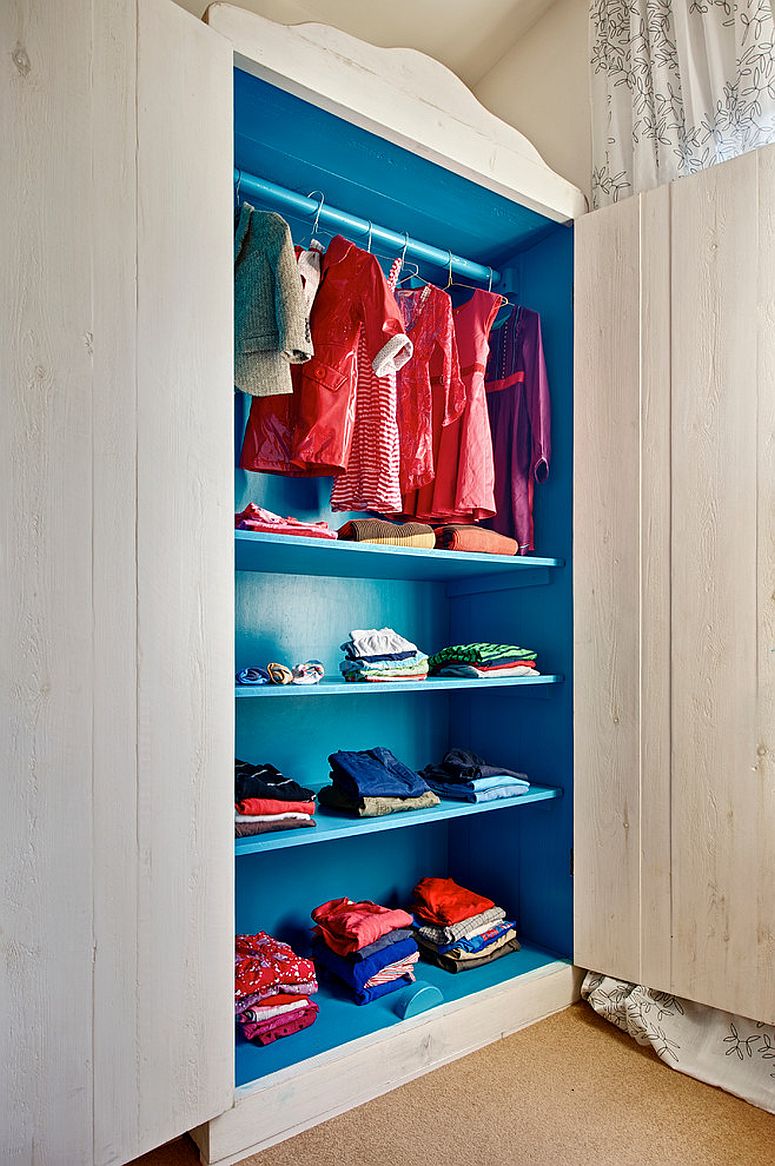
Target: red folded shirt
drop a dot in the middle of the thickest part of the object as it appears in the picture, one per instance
(443, 902)
(347, 926)
(455, 537)
(254, 806)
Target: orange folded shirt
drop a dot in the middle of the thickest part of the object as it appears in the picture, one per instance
(254, 806)
(443, 902)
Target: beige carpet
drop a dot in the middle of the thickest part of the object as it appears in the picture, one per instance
(571, 1091)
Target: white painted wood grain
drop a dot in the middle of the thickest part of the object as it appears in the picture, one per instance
(655, 525)
(606, 591)
(185, 608)
(296, 1099)
(112, 224)
(723, 565)
(46, 667)
(403, 96)
(762, 1001)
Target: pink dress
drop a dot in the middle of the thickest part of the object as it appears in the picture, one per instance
(463, 487)
(428, 321)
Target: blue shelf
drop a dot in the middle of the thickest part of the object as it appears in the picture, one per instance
(332, 826)
(296, 555)
(341, 1021)
(341, 687)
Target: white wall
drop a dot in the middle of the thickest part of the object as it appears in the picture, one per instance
(468, 36)
(541, 86)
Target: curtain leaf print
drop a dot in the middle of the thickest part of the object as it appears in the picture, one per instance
(728, 1051)
(677, 88)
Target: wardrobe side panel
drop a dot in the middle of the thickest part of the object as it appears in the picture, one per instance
(185, 576)
(722, 560)
(606, 591)
(46, 667)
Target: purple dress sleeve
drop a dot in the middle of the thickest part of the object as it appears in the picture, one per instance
(539, 409)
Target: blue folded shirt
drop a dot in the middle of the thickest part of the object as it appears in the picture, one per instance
(355, 973)
(475, 943)
(485, 789)
(388, 940)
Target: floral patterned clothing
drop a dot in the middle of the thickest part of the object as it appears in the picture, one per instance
(263, 966)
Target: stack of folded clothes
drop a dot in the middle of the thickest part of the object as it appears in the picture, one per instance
(491, 661)
(458, 929)
(383, 533)
(466, 777)
(257, 519)
(380, 654)
(265, 801)
(453, 537)
(373, 782)
(272, 988)
(369, 948)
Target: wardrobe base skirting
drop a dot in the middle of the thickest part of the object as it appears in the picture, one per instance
(300, 1097)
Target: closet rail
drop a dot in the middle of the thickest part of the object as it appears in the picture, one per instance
(280, 198)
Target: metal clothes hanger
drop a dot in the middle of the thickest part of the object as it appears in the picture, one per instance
(316, 228)
(452, 282)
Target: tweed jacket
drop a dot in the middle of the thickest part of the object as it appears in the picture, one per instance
(271, 325)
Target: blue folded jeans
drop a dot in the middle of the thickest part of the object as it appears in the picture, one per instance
(374, 773)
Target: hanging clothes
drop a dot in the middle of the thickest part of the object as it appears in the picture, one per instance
(428, 319)
(310, 432)
(463, 487)
(371, 480)
(519, 408)
(271, 328)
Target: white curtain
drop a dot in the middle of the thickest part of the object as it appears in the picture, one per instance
(724, 1050)
(677, 85)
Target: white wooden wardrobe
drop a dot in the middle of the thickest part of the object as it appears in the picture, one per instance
(116, 605)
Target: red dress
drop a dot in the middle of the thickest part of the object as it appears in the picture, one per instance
(463, 487)
(427, 314)
(309, 432)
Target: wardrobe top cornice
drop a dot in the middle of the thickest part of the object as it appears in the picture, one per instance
(402, 95)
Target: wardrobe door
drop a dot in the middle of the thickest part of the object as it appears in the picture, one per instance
(621, 590)
(674, 547)
(177, 932)
(723, 599)
(115, 579)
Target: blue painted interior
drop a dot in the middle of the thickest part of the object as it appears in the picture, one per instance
(282, 138)
(293, 604)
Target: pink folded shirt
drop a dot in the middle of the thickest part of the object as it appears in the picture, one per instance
(347, 926)
(257, 519)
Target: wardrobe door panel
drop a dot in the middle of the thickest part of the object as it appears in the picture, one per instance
(184, 572)
(46, 667)
(606, 591)
(655, 526)
(723, 570)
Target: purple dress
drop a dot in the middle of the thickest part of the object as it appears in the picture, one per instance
(519, 408)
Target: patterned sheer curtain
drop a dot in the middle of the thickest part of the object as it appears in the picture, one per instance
(677, 85)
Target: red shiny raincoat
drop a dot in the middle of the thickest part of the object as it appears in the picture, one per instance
(309, 432)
